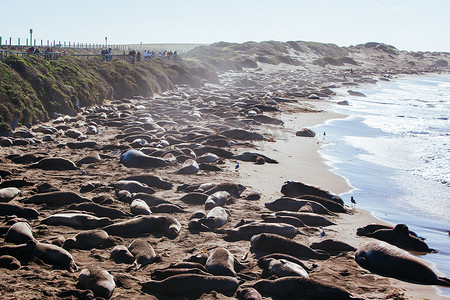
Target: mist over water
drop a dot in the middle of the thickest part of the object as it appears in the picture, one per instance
(394, 148)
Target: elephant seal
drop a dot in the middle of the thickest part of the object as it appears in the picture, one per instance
(89, 239)
(309, 219)
(332, 246)
(192, 284)
(120, 253)
(281, 256)
(233, 189)
(271, 218)
(19, 233)
(54, 163)
(9, 262)
(272, 243)
(161, 274)
(371, 228)
(194, 198)
(399, 236)
(149, 199)
(137, 159)
(216, 217)
(248, 230)
(221, 262)
(281, 267)
(144, 225)
(99, 210)
(190, 166)
(327, 203)
(10, 209)
(58, 198)
(248, 293)
(166, 208)
(139, 207)
(293, 204)
(218, 198)
(252, 156)
(54, 255)
(297, 287)
(143, 253)
(9, 193)
(133, 186)
(207, 158)
(152, 181)
(99, 281)
(296, 189)
(387, 260)
(77, 220)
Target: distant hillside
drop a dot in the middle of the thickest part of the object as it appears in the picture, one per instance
(32, 89)
(224, 56)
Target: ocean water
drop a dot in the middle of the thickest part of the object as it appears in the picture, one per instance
(394, 149)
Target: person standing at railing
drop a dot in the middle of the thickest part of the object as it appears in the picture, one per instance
(132, 55)
(109, 54)
(103, 54)
(47, 54)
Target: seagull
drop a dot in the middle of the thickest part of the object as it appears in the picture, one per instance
(352, 200)
(322, 234)
(236, 167)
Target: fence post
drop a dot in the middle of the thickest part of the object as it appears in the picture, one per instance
(0, 41)
(42, 43)
(18, 42)
(10, 43)
(34, 42)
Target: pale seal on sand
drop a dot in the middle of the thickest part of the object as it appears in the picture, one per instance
(388, 260)
(272, 243)
(9, 193)
(281, 267)
(99, 210)
(216, 217)
(310, 219)
(89, 239)
(133, 186)
(300, 287)
(139, 207)
(190, 166)
(144, 225)
(99, 281)
(221, 262)
(192, 284)
(217, 199)
(143, 253)
(77, 220)
(19, 233)
(136, 159)
(272, 218)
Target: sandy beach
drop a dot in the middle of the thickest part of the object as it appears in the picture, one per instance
(173, 128)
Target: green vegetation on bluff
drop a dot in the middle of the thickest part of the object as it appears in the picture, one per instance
(32, 89)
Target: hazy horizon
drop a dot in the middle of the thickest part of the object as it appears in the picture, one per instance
(408, 25)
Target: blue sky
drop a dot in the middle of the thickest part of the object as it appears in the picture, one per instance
(406, 24)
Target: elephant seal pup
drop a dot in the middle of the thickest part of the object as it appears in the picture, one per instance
(248, 293)
(190, 166)
(387, 260)
(99, 210)
(248, 230)
(140, 207)
(133, 186)
(216, 217)
(120, 253)
(143, 253)
(9, 262)
(99, 281)
(297, 287)
(272, 243)
(152, 181)
(332, 246)
(233, 189)
(144, 225)
(77, 220)
(10, 209)
(271, 218)
(400, 237)
(193, 285)
(166, 208)
(19, 233)
(296, 189)
(194, 198)
(221, 262)
(54, 163)
(281, 267)
(137, 159)
(309, 219)
(292, 204)
(161, 274)
(89, 239)
(57, 198)
(217, 199)
(54, 255)
(9, 193)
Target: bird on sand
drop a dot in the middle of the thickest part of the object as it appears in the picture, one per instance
(352, 200)
(236, 167)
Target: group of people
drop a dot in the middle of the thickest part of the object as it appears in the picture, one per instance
(106, 54)
(49, 53)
